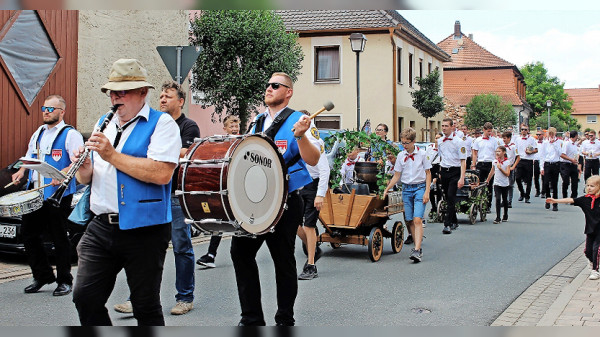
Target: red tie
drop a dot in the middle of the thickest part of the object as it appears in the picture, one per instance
(411, 156)
(525, 138)
(592, 142)
(593, 196)
(502, 161)
(446, 138)
(486, 137)
(350, 163)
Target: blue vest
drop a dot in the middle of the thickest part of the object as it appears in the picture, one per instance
(58, 149)
(298, 173)
(142, 204)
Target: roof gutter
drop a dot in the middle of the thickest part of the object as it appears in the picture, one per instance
(394, 80)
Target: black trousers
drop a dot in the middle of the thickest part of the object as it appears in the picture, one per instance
(435, 194)
(281, 244)
(536, 175)
(592, 248)
(484, 170)
(308, 194)
(501, 192)
(570, 176)
(524, 174)
(591, 168)
(551, 173)
(215, 240)
(450, 177)
(53, 221)
(103, 251)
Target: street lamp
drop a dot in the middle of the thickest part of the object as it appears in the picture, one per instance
(357, 42)
(548, 104)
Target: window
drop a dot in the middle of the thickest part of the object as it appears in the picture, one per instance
(399, 65)
(412, 124)
(421, 68)
(328, 122)
(592, 119)
(327, 64)
(429, 68)
(410, 70)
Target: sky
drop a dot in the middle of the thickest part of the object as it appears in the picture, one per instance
(566, 41)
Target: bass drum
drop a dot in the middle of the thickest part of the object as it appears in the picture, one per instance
(233, 184)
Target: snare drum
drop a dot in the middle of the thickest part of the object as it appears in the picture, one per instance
(233, 184)
(19, 203)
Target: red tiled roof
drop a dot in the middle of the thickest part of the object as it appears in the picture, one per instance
(585, 101)
(332, 20)
(460, 86)
(466, 53)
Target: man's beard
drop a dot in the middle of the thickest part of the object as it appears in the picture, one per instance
(51, 121)
(274, 101)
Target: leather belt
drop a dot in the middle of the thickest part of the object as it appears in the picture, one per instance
(110, 218)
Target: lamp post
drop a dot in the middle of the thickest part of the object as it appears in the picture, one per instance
(357, 42)
(548, 104)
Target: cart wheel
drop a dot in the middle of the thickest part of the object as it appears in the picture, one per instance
(441, 210)
(335, 245)
(473, 213)
(375, 244)
(397, 237)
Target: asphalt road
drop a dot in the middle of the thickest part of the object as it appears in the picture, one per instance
(466, 278)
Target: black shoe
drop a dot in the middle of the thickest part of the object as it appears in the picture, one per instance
(447, 230)
(206, 261)
(309, 272)
(454, 226)
(547, 206)
(527, 201)
(509, 205)
(554, 207)
(497, 221)
(62, 289)
(36, 286)
(543, 195)
(537, 194)
(521, 198)
(505, 218)
(409, 240)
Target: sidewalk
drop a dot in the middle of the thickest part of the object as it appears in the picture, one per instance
(562, 297)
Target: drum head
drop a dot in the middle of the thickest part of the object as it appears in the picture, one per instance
(256, 184)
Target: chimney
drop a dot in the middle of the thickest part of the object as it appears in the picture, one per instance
(471, 37)
(457, 34)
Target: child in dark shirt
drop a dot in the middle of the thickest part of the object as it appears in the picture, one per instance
(590, 205)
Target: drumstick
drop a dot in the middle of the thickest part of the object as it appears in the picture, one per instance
(11, 183)
(327, 106)
(35, 189)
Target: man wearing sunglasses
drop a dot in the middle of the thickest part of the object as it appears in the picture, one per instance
(54, 143)
(526, 149)
(287, 128)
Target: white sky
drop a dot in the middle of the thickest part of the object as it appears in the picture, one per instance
(566, 41)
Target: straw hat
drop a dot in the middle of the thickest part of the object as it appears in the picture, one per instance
(126, 74)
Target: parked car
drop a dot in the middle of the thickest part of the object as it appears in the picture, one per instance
(11, 240)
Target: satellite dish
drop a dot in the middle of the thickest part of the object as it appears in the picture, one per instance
(460, 42)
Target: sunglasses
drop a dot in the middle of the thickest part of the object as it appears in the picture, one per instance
(275, 85)
(118, 93)
(383, 130)
(50, 108)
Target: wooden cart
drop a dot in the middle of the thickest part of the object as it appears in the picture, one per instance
(361, 219)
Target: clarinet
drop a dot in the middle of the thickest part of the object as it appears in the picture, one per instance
(57, 196)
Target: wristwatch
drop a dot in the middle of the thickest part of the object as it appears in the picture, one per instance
(298, 137)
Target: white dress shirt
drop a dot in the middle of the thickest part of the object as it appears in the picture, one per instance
(165, 145)
(526, 142)
(321, 171)
(551, 150)
(486, 149)
(592, 148)
(499, 178)
(571, 150)
(452, 150)
(412, 166)
(73, 141)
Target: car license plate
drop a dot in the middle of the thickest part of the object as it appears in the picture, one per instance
(7, 231)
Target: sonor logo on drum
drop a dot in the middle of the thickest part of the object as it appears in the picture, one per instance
(258, 159)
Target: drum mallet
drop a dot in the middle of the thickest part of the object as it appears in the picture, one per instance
(327, 106)
(11, 183)
(35, 189)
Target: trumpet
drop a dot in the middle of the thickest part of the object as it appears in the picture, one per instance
(57, 196)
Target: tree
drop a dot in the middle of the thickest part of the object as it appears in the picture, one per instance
(241, 51)
(489, 108)
(542, 87)
(427, 99)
